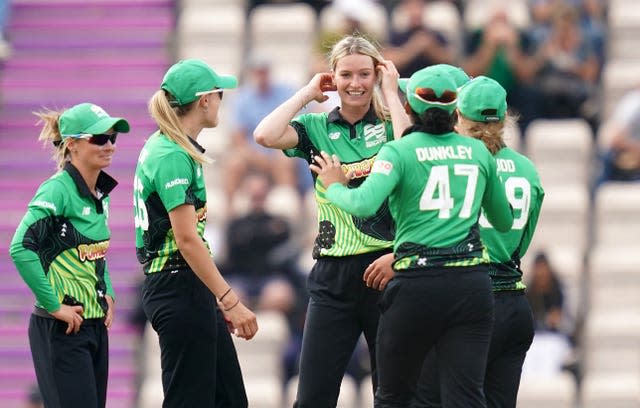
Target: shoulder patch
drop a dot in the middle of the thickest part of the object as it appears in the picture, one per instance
(382, 167)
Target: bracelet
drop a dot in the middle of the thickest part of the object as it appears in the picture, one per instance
(234, 305)
(225, 294)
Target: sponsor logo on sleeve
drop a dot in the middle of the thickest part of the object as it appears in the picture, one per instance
(382, 167)
(176, 182)
(45, 204)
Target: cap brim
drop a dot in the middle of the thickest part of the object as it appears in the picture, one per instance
(118, 124)
(227, 82)
(402, 84)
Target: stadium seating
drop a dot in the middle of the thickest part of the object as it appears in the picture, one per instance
(555, 391)
(562, 150)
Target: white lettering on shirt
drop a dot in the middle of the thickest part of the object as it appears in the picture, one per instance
(443, 153)
(176, 182)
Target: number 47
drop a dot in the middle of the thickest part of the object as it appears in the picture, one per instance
(438, 182)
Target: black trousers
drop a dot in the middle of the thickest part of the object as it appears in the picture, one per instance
(512, 336)
(449, 310)
(71, 369)
(199, 362)
(341, 308)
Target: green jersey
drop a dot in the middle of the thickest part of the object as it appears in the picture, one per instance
(525, 194)
(60, 245)
(340, 233)
(436, 185)
(166, 177)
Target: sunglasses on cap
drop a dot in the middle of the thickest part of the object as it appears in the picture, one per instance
(217, 90)
(98, 140)
(429, 95)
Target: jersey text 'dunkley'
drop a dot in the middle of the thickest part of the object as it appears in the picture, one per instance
(443, 153)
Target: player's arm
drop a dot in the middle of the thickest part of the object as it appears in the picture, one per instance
(36, 226)
(184, 225)
(365, 200)
(494, 201)
(532, 222)
(274, 130)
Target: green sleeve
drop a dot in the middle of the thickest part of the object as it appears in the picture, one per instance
(36, 225)
(494, 202)
(107, 282)
(365, 200)
(534, 213)
(172, 180)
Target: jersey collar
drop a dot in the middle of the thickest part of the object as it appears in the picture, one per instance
(336, 117)
(105, 183)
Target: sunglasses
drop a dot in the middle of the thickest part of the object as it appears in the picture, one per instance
(429, 95)
(102, 139)
(98, 140)
(217, 90)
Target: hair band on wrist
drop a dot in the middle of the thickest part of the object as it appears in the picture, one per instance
(234, 305)
(225, 293)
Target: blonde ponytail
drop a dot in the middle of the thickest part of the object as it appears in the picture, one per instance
(50, 134)
(167, 119)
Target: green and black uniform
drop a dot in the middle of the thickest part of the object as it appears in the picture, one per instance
(513, 326)
(199, 361)
(59, 249)
(441, 294)
(341, 307)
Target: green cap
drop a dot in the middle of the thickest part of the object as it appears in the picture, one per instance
(482, 100)
(187, 79)
(459, 76)
(87, 118)
(435, 77)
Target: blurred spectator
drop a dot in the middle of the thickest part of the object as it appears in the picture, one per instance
(570, 70)
(545, 295)
(551, 349)
(622, 161)
(591, 17)
(257, 97)
(416, 46)
(502, 52)
(257, 256)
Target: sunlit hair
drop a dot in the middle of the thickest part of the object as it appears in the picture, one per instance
(490, 133)
(50, 136)
(356, 44)
(167, 119)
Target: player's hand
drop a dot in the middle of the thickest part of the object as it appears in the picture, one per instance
(108, 318)
(379, 272)
(241, 321)
(72, 315)
(389, 75)
(329, 169)
(317, 86)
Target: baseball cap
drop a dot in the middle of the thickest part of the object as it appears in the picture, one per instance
(483, 100)
(430, 87)
(187, 79)
(87, 118)
(457, 74)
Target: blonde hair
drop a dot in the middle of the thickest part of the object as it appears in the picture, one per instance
(357, 44)
(167, 119)
(50, 134)
(489, 133)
